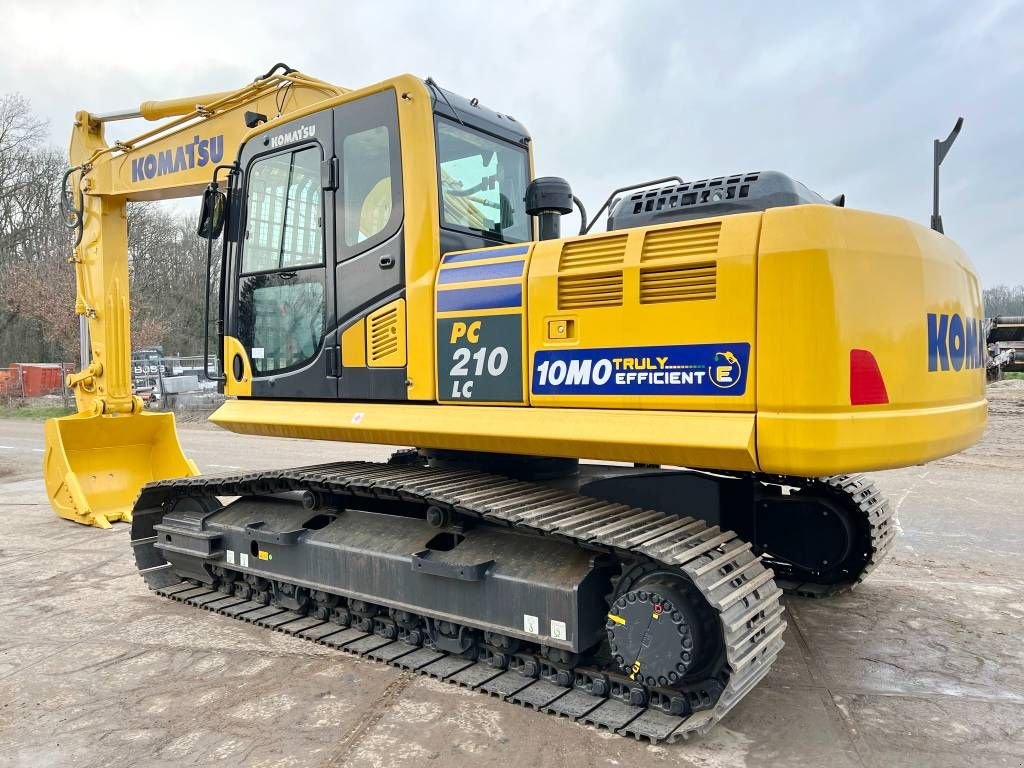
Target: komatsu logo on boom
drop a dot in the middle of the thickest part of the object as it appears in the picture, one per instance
(194, 154)
(955, 342)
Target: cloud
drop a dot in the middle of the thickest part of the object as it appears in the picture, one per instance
(846, 98)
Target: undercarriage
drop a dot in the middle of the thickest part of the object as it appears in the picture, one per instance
(642, 600)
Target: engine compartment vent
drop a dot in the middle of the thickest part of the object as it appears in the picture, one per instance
(680, 282)
(720, 196)
(599, 289)
(593, 252)
(385, 336)
(681, 242)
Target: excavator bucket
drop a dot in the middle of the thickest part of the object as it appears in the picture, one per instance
(95, 466)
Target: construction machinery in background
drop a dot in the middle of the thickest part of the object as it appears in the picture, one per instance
(391, 272)
(1004, 337)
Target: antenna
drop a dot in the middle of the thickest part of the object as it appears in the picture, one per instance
(941, 149)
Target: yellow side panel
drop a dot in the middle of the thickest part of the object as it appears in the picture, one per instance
(385, 336)
(353, 345)
(832, 280)
(722, 440)
(420, 221)
(232, 386)
(671, 285)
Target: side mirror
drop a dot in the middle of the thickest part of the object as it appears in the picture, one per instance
(211, 216)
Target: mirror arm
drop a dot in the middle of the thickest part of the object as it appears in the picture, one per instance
(206, 318)
(222, 377)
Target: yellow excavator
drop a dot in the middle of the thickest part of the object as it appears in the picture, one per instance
(727, 357)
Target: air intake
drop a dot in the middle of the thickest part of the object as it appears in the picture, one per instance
(686, 282)
(385, 336)
(721, 196)
(600, 252)
(601, 289)
(674, 263)
(681, 242)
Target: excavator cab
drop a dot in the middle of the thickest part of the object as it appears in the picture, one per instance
(336, 221)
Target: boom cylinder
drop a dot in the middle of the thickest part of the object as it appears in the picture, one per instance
(158, 110)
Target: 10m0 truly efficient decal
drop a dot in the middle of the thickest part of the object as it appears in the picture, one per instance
(681, 369)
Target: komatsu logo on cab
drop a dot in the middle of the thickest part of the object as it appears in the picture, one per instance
(194, 154)
(290, 137)
(955, 342)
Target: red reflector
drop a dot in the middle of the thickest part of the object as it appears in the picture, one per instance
(866, 384)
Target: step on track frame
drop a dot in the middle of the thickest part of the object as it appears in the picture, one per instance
(733, 581)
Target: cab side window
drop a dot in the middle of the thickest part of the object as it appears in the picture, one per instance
(370, 198)
(366, 164)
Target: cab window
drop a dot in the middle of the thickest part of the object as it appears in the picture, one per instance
(370, 194)
(281, 317)
(366, 165)
(483, 183)
(284, 213)
(281, 299)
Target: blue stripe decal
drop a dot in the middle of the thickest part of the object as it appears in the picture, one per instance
(481, 272)
(490, 297)
(489, 253)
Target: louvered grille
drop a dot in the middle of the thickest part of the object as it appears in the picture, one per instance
(594, 252)
(683, 282)
(383, 335)
(592, 290)
(679, 273)
(681, 242)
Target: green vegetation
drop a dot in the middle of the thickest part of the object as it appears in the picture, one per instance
(38, 412)
(1013, 375)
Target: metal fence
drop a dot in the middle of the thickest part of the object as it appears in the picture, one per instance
(12, 385)
(193, 365)
(148, 375)
(151, 379)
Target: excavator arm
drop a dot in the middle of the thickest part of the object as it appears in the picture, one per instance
(97, 459)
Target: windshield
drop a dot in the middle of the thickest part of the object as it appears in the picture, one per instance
(483, 183)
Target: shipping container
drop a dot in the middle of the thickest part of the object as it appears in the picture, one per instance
(39, 379)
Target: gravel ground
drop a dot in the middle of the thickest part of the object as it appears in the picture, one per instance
(921, 665)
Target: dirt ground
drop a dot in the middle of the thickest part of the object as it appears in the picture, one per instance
(921, 665)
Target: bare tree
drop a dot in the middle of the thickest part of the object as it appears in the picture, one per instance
(167, 260)
(1004, 300)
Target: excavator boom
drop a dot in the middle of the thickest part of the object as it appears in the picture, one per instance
(97, 460)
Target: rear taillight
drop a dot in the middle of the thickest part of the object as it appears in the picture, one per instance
(867, 387)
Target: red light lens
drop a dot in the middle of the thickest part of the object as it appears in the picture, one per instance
(867, 387)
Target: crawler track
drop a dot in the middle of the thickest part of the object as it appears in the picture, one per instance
(720, 566)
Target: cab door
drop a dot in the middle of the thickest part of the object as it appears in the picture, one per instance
(369, 256)
(283, 287)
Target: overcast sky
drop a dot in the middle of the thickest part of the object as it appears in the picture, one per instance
(844, 97)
